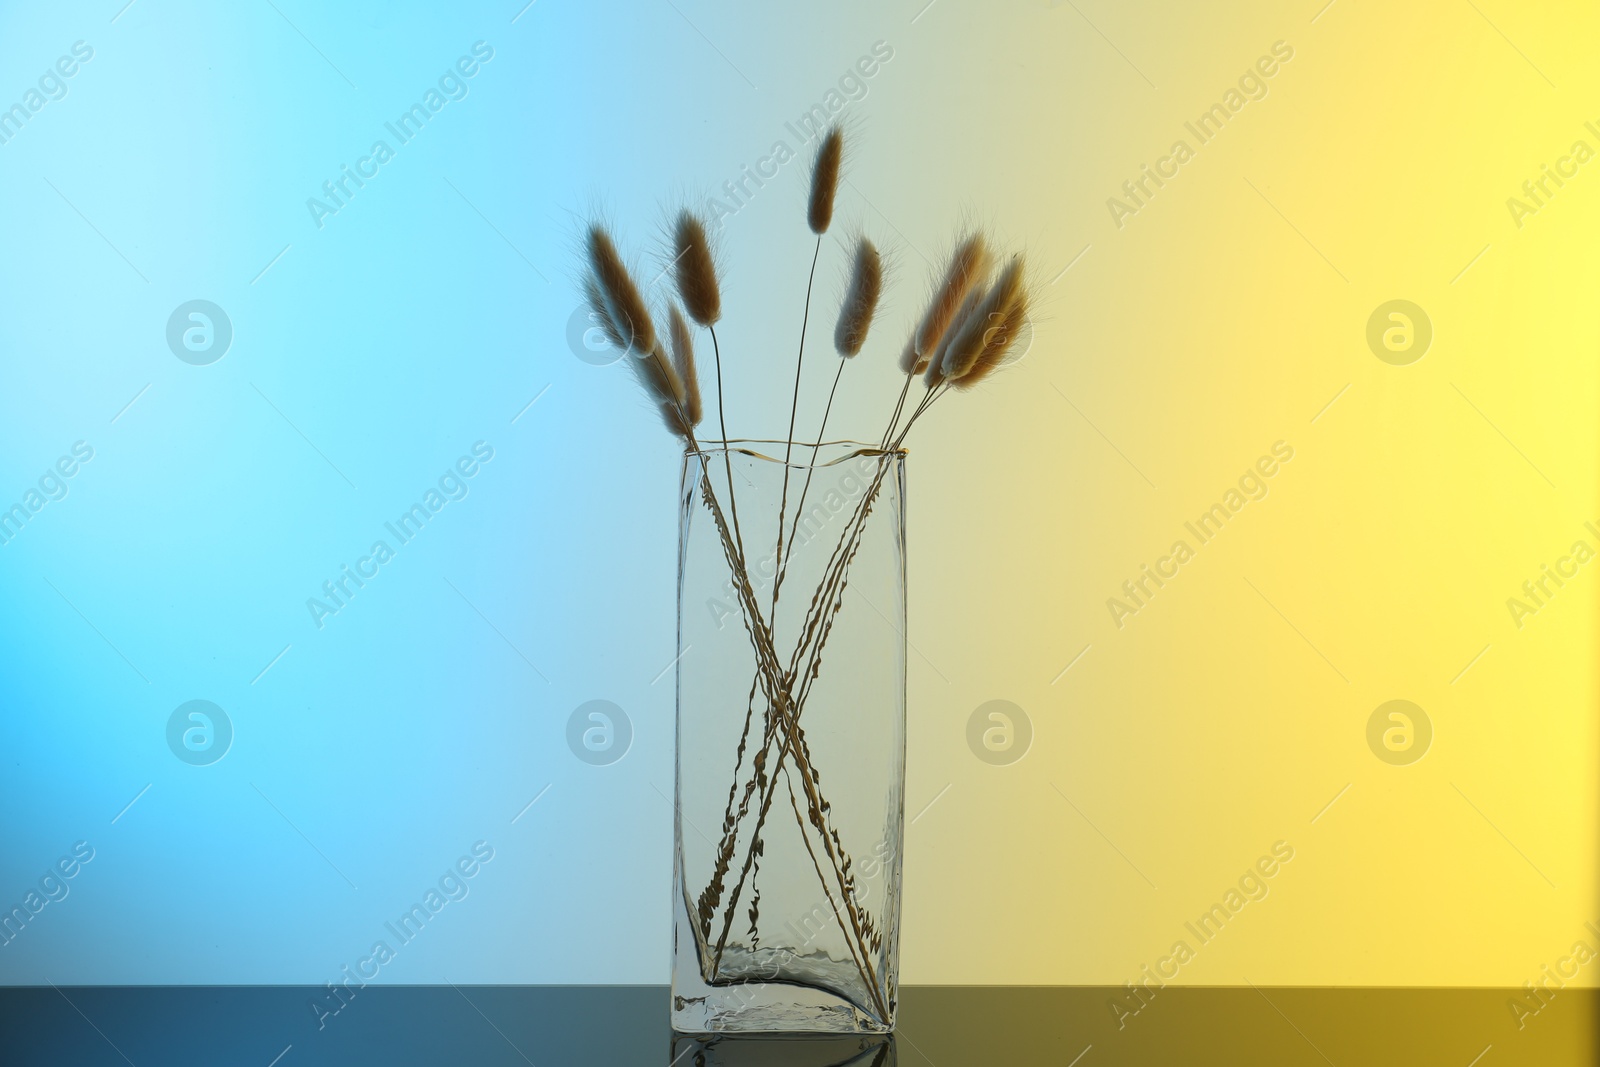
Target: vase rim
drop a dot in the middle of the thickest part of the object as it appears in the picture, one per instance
(756, 448)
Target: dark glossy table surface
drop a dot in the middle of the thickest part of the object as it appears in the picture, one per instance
(942, 1025)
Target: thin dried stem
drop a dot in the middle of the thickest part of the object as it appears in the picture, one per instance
(899, 405)
(863, 964)
(800, 508)
(794, 408)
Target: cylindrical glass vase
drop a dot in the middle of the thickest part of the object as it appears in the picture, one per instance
(790, 738)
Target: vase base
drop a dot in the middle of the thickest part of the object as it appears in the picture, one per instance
(783, 1050)
(772, 1009)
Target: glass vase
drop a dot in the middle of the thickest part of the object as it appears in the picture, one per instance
(790, 738)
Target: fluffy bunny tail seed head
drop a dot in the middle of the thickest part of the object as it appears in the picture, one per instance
(659, 378)
(968, 264)
(683, 363)
(665, 388)
(860, 300)
(600, 313)
(696, 270)
(629, 316)
(825, 181)
(969, 334)
(933, 363)
(1000, 340)
(677, 423)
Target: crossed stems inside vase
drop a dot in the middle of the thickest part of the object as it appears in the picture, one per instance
(781, 727)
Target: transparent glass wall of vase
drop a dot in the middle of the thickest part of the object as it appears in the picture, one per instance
(791, 723)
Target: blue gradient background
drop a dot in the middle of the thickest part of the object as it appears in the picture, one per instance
(393, 338)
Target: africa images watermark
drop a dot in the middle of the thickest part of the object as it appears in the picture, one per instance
(1252, 85)
(1252, 485)
(587, 339)
(1537, 192)
(337, 592)
(52, 85)
(1536, 995)
(52, 485)
(1251, 886)
(452, 85)
(1537, 592)
(453, 885)
(851, 88)
(824, 505)
(52, 888)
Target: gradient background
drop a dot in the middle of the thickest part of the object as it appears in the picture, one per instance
(1168, 355)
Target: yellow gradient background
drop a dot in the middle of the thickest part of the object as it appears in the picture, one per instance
(1224, 317)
